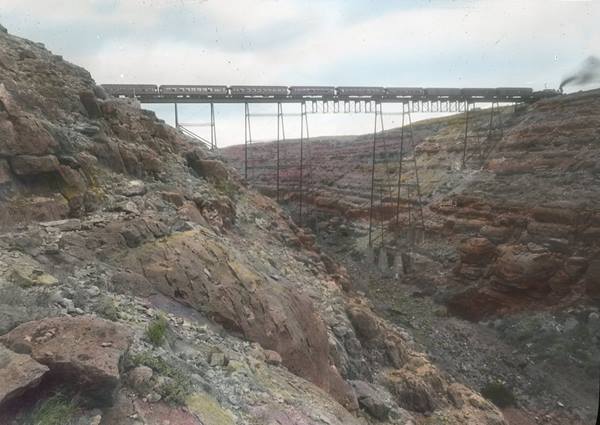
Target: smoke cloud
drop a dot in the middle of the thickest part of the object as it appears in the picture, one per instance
(589, 72)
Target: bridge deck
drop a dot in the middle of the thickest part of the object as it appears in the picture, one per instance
(290, 99)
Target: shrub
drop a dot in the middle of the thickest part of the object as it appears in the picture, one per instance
(55, 410)
(499, 394)
(174, 390)
(227, 187)
(107, 308)
(156, 331)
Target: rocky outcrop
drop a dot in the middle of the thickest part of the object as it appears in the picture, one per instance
(18, 373)
(84, 351)
(215, 279)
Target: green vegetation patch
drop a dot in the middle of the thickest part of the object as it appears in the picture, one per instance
(157, 330)
(227, 188)
(499, 394)
(107, 308)
(55, 410)
(177, 388)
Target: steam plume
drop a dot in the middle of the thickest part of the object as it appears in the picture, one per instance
(589, 72)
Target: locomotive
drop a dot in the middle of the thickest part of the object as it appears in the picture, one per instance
(506, 94)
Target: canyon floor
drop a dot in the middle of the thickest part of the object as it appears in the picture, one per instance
(548, 388)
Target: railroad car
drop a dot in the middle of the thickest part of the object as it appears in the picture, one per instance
(514, 92)
(312, 91)
(130, 89)
(360, 91)
(479, 93)
(253, 91)
(193, 91)
(444, 92)
(405, 91)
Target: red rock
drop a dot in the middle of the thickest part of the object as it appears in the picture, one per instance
(151, 162)
(72, 178)
(18, 372)
(174, 198)
(477, 251)
(28, 165)
(272, 357)
(72, 349)
(32, 137)
(208, 168)
(279, 317)
(519, 267)
(23, 210)
(342, 391)
(554, 215)
(364, 321)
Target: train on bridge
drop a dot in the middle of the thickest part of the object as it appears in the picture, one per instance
(145, 91)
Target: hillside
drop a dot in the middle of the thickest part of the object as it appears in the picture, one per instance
(142, 282)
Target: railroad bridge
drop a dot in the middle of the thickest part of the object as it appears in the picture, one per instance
(388, 199)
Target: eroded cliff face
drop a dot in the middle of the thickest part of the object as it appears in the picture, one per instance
(114, 226)
(522, 215)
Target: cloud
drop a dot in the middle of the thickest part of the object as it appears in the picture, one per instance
(338, 42)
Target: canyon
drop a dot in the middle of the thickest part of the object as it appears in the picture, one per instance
(143, 281)
(508, 262)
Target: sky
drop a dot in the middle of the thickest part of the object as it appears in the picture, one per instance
(461, 43)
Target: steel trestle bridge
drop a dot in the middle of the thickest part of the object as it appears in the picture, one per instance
(401, 195)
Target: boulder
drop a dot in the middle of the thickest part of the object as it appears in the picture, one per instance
(128, 411)
(477, 251)
(364, 322)
(26, 275)
(18, 372)
(134, 188)
(72, 178)
(272, 357)
(517, 266)
(174, 198)
(208, 168)
(418, 386)
(341, 391)
(139, 378)
(28, 165)
(82, 351)
(100, 93)
(32, 137)
(90, 103)
(373, 399)
(37, 208)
